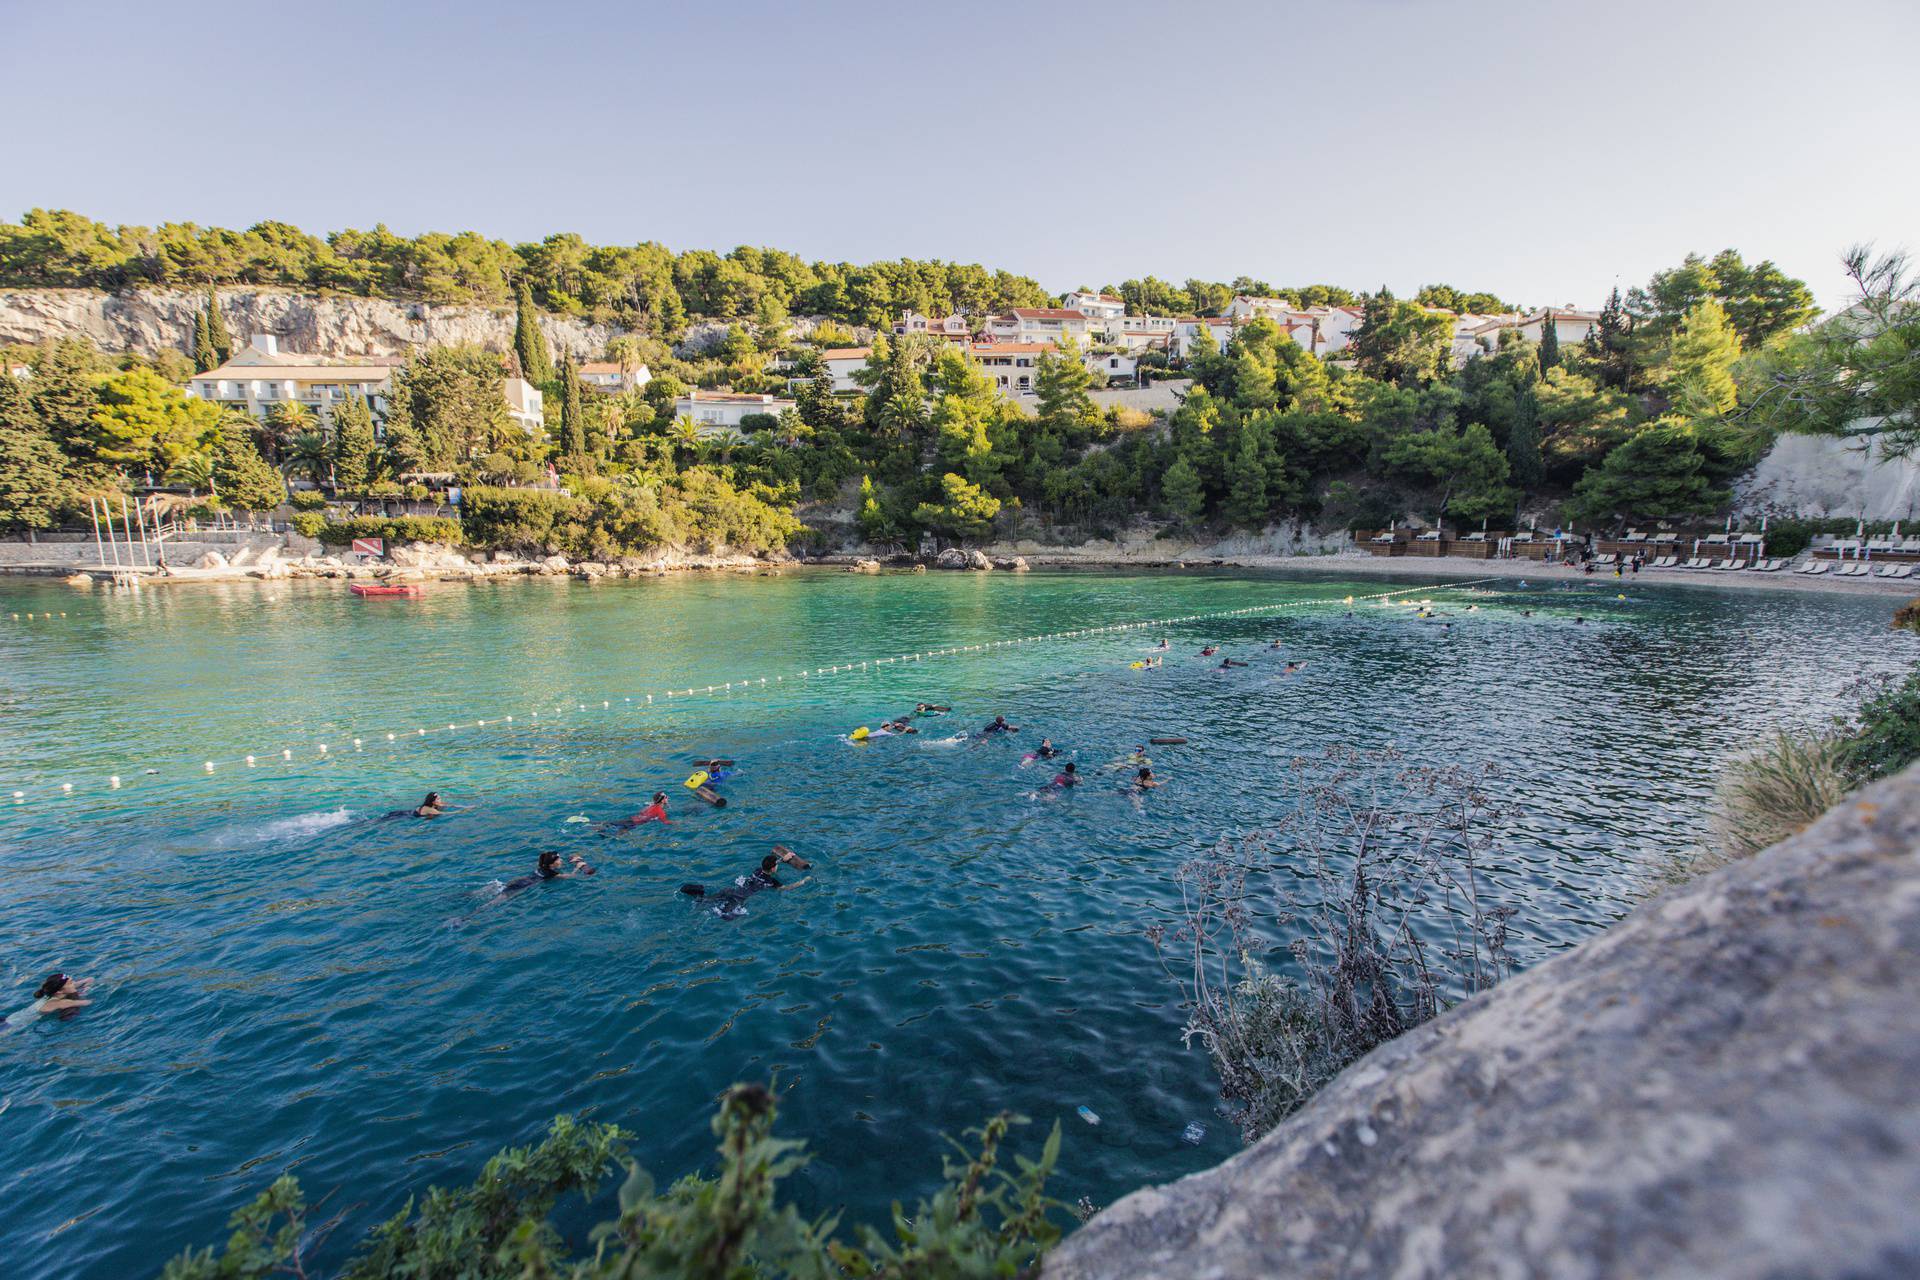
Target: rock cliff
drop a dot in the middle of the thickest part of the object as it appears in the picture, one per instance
(1721, 1085)
(145, 321)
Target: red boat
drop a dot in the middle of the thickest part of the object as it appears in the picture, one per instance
(368, 589)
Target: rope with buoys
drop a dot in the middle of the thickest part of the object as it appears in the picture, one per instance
(640, 701)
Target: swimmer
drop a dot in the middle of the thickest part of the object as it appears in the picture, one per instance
(1579, 619)
(1526, 613)
(1144, 780)
(1293, 667)
(730, 903)
(1210, 650)
(929, 709)
(57, 994)
(655, 812)
(1000, 725)
(1069, 776)
(1046, 750)
(900, 726)
(430, 807)
(548, 868)
(1275, 644)
(1228, 662)
(1163, 644)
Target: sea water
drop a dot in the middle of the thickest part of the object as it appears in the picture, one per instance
(288, 981)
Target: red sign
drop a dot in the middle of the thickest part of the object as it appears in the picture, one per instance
(370, 546)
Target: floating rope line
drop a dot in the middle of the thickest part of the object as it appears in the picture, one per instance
(320, 751)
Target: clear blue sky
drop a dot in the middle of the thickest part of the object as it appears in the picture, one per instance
(1542, 149)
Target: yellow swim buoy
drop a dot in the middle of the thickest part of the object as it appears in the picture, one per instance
(1138, 666)
(698, 780)
(859, 735)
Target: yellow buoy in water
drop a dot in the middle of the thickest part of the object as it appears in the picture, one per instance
(698, 780)
(859, 735)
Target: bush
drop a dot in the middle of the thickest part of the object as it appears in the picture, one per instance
(986, 1221)
(1883, 737)
(309, 524)
(307, 500)
(1773, 792)
(340, 533)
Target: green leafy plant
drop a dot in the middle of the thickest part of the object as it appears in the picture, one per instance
(986, 1221)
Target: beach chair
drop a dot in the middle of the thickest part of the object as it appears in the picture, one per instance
(1731, 566)
(1771, 565)
(1666, 562)
(1894, 571)
(1855, 569)
(1607, 559)
(1818, 567)
(1698, 562)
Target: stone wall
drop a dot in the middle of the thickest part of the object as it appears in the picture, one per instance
(1723, 1084)
(145, 321)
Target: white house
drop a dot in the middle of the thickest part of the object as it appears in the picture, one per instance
(1102, 308)
(524, 404)
(261, 375)
(722, 412)
(1107, 365)
(609, 376)
(842, 363)
(1039, 324)
(1187, 328)
(953, 328)
(1570, 325)
(1009, 365)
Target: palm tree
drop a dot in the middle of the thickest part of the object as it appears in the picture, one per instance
(310, 455)
(283, 422)
(685, 434)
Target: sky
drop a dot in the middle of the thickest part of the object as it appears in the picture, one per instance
(1544, 150)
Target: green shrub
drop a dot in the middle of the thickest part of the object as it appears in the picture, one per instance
(1883, 737)
(340, 533)
(1775, 792)
(522, 520)
(309, 524)
(307, 500)
(1907, 616)
(985, 1221)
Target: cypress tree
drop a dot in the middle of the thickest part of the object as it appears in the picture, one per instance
(1549, 343)
(573, 422)
(1523, 440)
(355, 451)
(217, 334)
(529, 344)
(240, 475)
(203, 353)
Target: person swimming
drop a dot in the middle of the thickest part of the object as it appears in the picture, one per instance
(1275, 644)
(58, 994)
(547, 868)
(655, 812)
(1046, 750)
(929, 709)
(1144, 780)
(430, 807)
(730, 903)
(1228, 662)
(1000, 725)
(1292, 667)
(1209, 650)
(1069, 776)
(1163, 644)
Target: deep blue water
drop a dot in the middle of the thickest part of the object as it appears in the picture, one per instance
(287, 984)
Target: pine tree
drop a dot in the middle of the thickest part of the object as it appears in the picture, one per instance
(355, 451)
(1246, 484)
(1549, 343)
(530, 344)
(217, 335)
(65, 392)
(1700, 367)
(1609, 346)
(241, 477)
(203, 353)
(1180, 492)
(33, 471)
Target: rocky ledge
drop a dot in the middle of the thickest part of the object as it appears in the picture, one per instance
(1721, 1085)
(426, 562)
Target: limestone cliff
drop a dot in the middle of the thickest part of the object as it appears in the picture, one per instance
(1723, 1085)
(145, 321)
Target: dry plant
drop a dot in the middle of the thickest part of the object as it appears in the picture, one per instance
(1377, 874)
(1773, 792)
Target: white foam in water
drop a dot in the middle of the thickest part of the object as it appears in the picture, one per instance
(306, 824)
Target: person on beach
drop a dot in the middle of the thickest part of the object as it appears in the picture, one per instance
(58, 994)
(730, 903)
(547, 868)
(655, 812)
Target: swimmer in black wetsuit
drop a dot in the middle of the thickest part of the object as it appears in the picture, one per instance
(1000, 725)
(1046, 750)
(730, 903)
(548, 868)
(1228, 662)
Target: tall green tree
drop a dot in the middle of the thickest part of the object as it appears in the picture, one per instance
(65, 393)
(1465, 469)
(355, 446)
(283, 421)
(218, 338)
(963, 511)
(33, 471)
(445, 406)
(1609, 348)
(1246, 478)
(529, 343)
(1523, 440)
(1658, 474)
(1699, 376)
(573, 411)
(1400, 343)
(1549, 343)
(204, 356)
(1181, 494)
(241, 476)
(1761, 302)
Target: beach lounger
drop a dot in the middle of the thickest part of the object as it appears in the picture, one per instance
(1666, 562)
(1894, 571)
(1771, 565)
(1698, 562)
(1856, 569)
(1727, 566)
(1608, 558)
(1818, 566)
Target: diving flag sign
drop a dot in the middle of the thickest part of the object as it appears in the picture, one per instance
(370, 546)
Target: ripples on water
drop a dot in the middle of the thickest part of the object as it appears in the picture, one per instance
(290, 984)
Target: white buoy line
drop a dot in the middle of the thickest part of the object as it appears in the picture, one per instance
(321, 751)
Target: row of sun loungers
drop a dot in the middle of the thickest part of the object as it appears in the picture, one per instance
(1764, 565)
(1857, 569)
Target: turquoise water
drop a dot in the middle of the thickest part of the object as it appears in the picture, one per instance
(287, 984)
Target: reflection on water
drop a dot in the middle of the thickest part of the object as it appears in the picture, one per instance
(289, 983)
